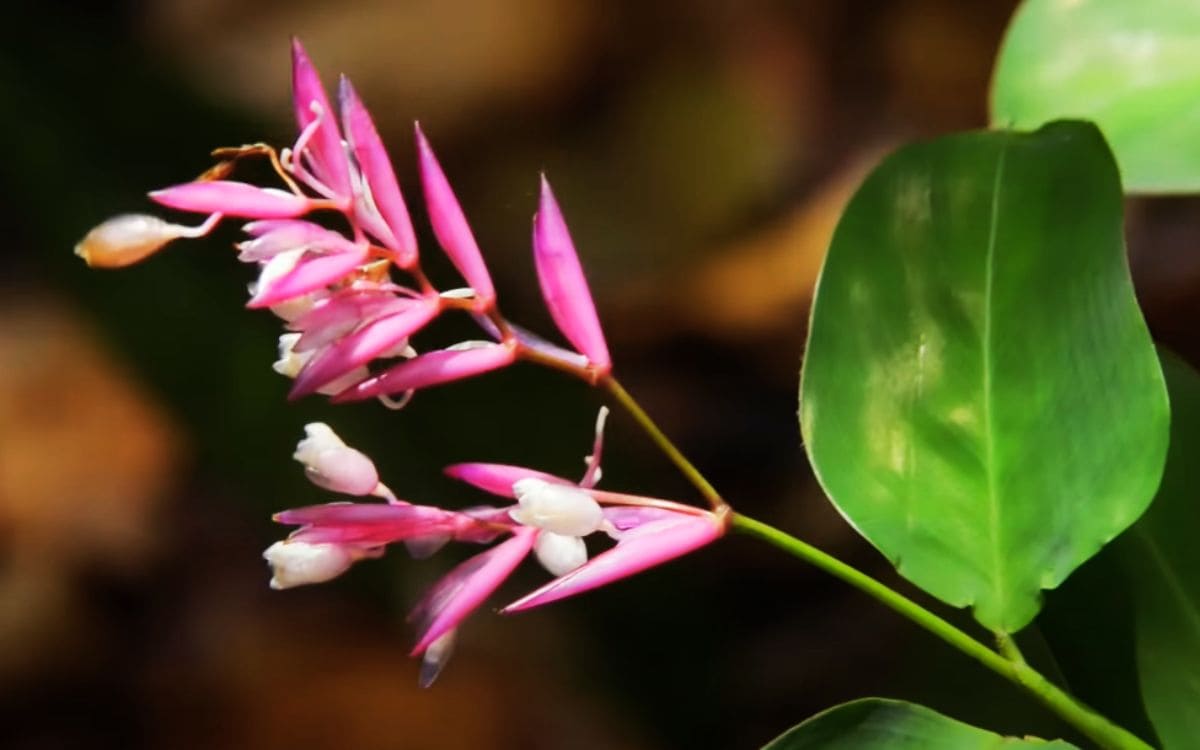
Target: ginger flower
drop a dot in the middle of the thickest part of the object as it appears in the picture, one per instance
(551, 518)
(352, 300)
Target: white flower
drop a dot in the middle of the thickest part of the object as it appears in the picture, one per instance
(291, 362)
(558, 553)
(558, 508)
(300, 563)
(330, 463)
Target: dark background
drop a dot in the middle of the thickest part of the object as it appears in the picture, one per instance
(701, 152)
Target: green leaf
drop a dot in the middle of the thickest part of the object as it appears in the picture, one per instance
(1132, 66)
(980, 397)
(1162, 556)
(894, 725)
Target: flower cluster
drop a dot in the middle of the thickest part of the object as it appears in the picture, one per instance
(349, 326)
(551, 517)
(335, 291)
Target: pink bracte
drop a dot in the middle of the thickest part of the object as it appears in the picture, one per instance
(551, 517)
(352, 301)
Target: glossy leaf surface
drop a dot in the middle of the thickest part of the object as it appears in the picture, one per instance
(879, 724)
(980, 396)
(1162, 557)
(1132, 67)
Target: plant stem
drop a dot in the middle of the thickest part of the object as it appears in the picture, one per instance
(1093, 725)
(1008, 648)
(690, 472)
(1009, 663)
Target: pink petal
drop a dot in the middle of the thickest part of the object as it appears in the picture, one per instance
(378, 523)
(498, 479)
(365, 344)
(233, 199)
(563, 284)
(378, 173)
(274, 236)
(328, 159)
(463, 589)
(433, 368)
(449, 225)
(334, 317)
(311, 273)
(627, 517)
(641, 548)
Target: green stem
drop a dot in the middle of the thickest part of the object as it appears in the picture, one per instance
(690, 472)
(1008, 648)
(1093, 725)
(1009, 663)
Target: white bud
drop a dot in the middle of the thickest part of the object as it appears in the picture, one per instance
(558, 553)
(126, 239)
(559, 508)
(291, 362)
(276, 268)
(294, 308)
(330, 463)
(300, 563)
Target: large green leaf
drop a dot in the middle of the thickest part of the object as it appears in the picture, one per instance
(876, 723)
(1133, 66)
(1163, 557)
(980, 396)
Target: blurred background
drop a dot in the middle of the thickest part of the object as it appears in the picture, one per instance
(701, 151)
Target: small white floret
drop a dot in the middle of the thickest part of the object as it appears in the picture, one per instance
(300, 563)
(558, 553)
(559, 508)
(330, 463)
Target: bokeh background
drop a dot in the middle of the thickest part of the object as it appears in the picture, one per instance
(702, 152)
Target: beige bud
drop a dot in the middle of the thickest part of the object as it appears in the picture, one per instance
(126, 239)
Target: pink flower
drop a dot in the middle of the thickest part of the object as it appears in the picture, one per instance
(551, 518)
(349, 322)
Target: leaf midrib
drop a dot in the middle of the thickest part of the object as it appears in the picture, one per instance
(989, 440)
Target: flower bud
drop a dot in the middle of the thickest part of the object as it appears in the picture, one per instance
(558, 553)
(300, 563)
(558, 508)
(126, 239)
(330, 463)
(291, 362)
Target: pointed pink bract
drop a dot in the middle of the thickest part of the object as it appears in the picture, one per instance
(430, 369)
(449, 224)
(640, 548)
(312, 272)
(378, 173)
(463, 589)
(328, 160)
(564, 286)
(498, 479)
(334, 317)
(274, 236)
(232, 199)
(365, 344)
